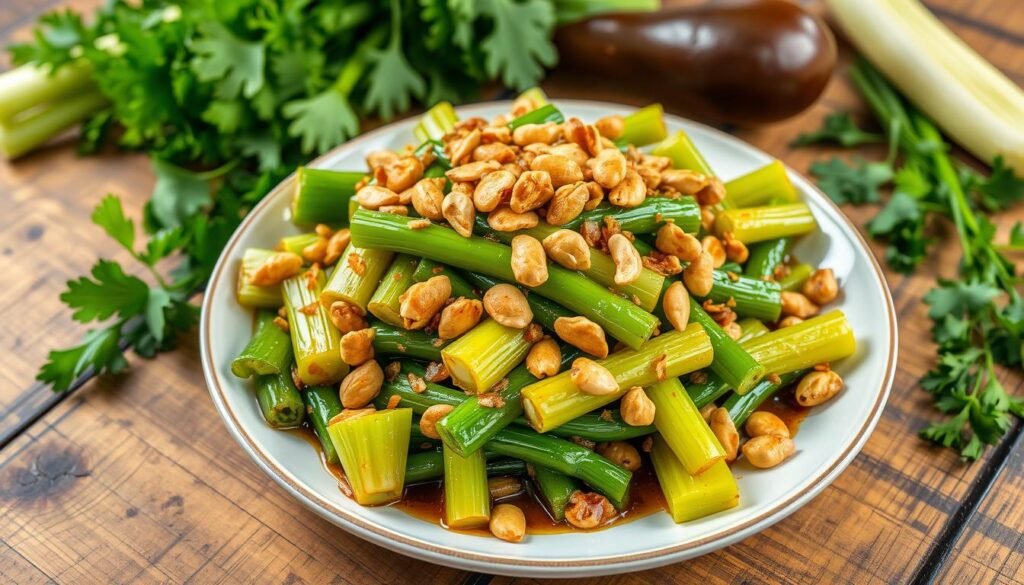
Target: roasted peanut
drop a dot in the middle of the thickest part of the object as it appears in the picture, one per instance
(347, 317)
(427, 197)
(529, 262)
(636, 408)
(457, 208)
(768, 450)
(572, 152)
(461, 149)
(464, 188)
(818, 387)
(588, 510)
(611, 126)
(721, 424)
(373, 196)
(495, 151)
(361, 385)
(493, 190)
(735, 250)
(712, 193)
(569, 249)
(563, 170)
(381, 158)
(336, 245)
(620, 453)
(789, 321)
(628, 264)
(609, 168)
(673, 240)
(567, 203)
(503, 219)
(507, 305)
(473, 171)
(544, 358)
(650, 176)
(276, 268)
(349, 414)
(582, 333)
(797, 305)
(714, 247)
(676, 303)
(402, 210)
(459, 317)
(683, 181)
(531, 133)
(316, 251)
(595, 195)
(496, 133)
(698, 275)
(592, 378)
(585, 135)
(432, 416)
(821, 288)
(707, 218)
(423, 300)
(532, 190)
(733, 330)
(630, 192)
(357, 346)
(765, 423)
(403, 173)
(706, 410)
(508, 523)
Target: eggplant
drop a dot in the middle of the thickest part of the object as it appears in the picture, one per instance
(744, 62)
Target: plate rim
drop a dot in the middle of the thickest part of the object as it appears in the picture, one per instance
(502, 564)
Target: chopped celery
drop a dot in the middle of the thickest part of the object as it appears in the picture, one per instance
(373, 448)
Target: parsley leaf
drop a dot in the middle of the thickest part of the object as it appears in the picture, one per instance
(322, 121)
(393, 80)
(999, 190)
(99, 351)
(109, 215)
(857, 183)
(109, 291)
(519, 47)
(159, 300)
(235, 64)
(958, 298)
(838, 128)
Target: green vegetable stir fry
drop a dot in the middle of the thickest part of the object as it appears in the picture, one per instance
(533, 294)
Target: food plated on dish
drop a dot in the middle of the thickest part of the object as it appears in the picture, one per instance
(603, 332)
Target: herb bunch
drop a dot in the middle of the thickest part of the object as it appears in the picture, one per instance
(978, 319)
(227, 97)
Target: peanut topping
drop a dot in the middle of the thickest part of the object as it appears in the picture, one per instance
(402, 210)
(458, 209)
(276, 269)
(684, 181)
(427, 197)
(714, 247)
(347, 317)
(423, 300)
(381, 158)
(797, 305)
(673, 240)
(493, 190)
(472, 171)
(637, 409)
(582, 333)
(508, 523)
(569, 249)
(432, 416)
(595, 193)
(620, 453)
(563, 170)
(462, 148)
(768, 451)
(630, 192)
(503, 219)
(818, 387)
(403, 173)
(676, 303)
(628, 264)
(721, 424)
(698, 275)
(611, 126)
(495, 151)
(532, 133)
(789, 322)
(586, 136)
(357, 346)
(459, 317)
(532, 190)
(316, 251)
(735, 250)
(572, 152)
(361, 385)
(765, 423)
(588, 510)
(373, 196)
(544, 358)
(567, 203)
(529, 263)
(713, 193)
(507, 305)
(821, 287)
(592, 378)
(336, 245)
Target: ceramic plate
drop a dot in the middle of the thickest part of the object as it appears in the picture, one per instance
(829, 438)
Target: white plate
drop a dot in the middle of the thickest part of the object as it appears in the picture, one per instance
(829, 438)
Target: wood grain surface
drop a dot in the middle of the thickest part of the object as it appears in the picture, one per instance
(135, 479)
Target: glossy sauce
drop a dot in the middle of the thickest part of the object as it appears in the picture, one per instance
(785, 406)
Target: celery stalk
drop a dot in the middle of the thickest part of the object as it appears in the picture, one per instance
(691, 497)
(760, 187)
(250, 295)
(467, 501)
(315, 339)
(373, 449)
(684, 153)
(757, 224)
(385, 303)
(683, 428)
(21, 134)
(436, 122)
(644, 126)
(484, 355)
(356, 276)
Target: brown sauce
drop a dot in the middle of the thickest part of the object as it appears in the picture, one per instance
(785, 406)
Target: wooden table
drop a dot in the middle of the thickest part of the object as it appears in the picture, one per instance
(134, 478)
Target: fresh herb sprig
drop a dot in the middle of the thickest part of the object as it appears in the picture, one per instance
(978, 319)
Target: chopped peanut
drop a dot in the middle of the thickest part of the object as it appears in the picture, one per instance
(620, 453)
(357, 346)
(432, 416)
(582, 333)
(361, 385)
(507, 305)
(636, 408)
(818, 387)
(569, 249)
(529, 262)
(592, 378)
(276, 269)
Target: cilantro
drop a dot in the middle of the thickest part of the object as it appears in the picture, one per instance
(856, 184)
(839, 129)
(999, 190)
(99, 351)
(109, 291)
(393, 80)
(519, 47)
(236, 65)
(322, 121)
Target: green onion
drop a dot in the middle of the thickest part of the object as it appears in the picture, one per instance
(542, 115)
(373, 449)
(322, 195)
(268, 352)
(690, 497)
(323, 404)
(555, 489)
(732, 363)
(385, 303)
(757, 224)
(482, 356)
(740, 407)
(249, 295)
(765, 257)
(467, 500)
(393, 341)
(279, 400)
(753, 297)
(683, 428)
(315, 340)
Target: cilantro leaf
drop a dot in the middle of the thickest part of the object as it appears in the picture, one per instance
(322, 121)
(109, 215)
(156, 303)
(236, 65)
(99, 351)
(393, 81)
(857, 183)
(1017, 234)
(162, 244)
(958, 298)
(178, 193)
(519, 47)
(1000, 190)
(109, 291)
(838, 128)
